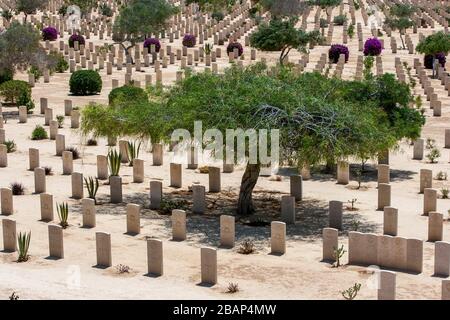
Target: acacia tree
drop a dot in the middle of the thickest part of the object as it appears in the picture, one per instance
(325, 5)
(283, 8)
(400, 19)
(282, 35)
(29, 6)
(20, 48)
(319, 119)
(140, 19)
(432, 45)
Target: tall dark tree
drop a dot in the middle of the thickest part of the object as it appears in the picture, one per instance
(282, 35)
(29, 6)
(140, 19)
(400, 19)
(434, 44)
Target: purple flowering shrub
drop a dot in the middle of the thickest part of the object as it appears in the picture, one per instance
(235, 45)
(49, 33)
(428, 60)
(336, 50)
(373, 47)
(76, 37)
(148, 42)
(189, 40)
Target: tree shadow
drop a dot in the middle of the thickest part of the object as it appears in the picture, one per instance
(311, 216)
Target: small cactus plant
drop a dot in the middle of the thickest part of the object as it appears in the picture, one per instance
(133, 151)
(63, 214)
(338, 253)
(208, 48)
(114, 162)
(352, 292)
(92, 187)
(23, 240)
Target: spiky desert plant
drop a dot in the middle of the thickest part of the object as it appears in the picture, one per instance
(23, 240)
(121, 268)
(17, 189)
(114, 162)
(60, 119)
(233, 287)
(133, 151)
(351, 292)
(92, 187)
(91, 142)
(338, 253)
(14, 296)
(444, 192)
(10, 146)
(63, 214)
(247, 247)
(208, 47)
(75, 152)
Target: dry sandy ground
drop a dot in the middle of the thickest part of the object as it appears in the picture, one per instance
(298, 274)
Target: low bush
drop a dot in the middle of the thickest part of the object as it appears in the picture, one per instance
(6, 75)
(335, 51)
(16, 92)
(60, 64)
(74, 38)
(372, 47)
(148, 43)
(127, 93)
(340, 20)
(218, 16)
(189, 40)
(235, 45)
(50, 34)
(39, 133)
(85, 82)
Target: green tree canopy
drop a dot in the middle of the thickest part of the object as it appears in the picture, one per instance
(284, 8)
(29, 6)
(319, 119)
(20, 48)
(400, 19)
(438, 42)
(282, 35)
(140, 19)
(325, 4)
(212, 5)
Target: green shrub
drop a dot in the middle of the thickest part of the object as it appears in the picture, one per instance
(85, 82)
(218, 16)
(39, 133)
(60, 64)
(127, 93)
(10, 146)
(340, 20)
(16, 92)
(106, 10)
(6, 75)
(36, 72)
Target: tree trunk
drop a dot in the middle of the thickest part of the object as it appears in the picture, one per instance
(403, 42)
(249, 179)
(434, 67)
